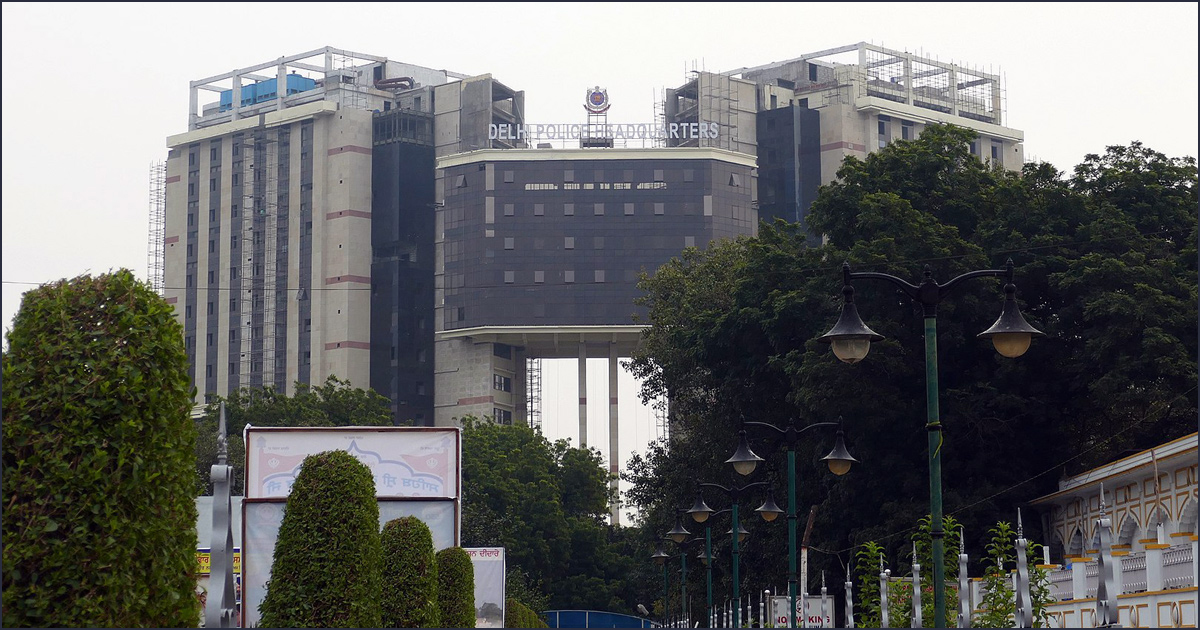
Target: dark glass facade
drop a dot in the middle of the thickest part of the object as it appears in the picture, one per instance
(562, 242)
(402, 264)
(789, 158)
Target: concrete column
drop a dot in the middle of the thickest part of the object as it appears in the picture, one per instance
(193, 108)
(1154, 567)
(1079, 578)
(908, 79)
(953, 86)
(280, 86)
(582, 395)
(614, 451)
(236, 104)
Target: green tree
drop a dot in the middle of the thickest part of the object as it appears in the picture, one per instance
(335, 403)
(456, 588)
(545, 503)
(1106, 266)
(99, 517)
(410, 575)
(331, 522)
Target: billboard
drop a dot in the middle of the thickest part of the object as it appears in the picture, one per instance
(489, 586)
(417, 472)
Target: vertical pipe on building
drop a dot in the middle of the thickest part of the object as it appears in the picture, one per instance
(614, 451)
(583, 441)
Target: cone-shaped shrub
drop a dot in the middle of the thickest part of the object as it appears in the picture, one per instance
(325, 573)
(518, 615)
(98, 474)
(456, 588)
(410, 575)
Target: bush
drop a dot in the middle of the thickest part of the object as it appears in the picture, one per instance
(326, 569)
(456, 588)
(518, 615)
(410, 575)
(99, 516)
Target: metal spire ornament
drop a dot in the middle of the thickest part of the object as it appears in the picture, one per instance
(1023, 617)
(1106, 589)
(964, 589)
(884, 574)
(916, 586)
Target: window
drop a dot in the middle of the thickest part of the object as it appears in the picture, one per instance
(599, 209)
(906, 130)
(599, 275)
(510, 277)
(208, 370)
(189, 280)
(212, 215)
(996, 148)
(212, 246)
(237, 179)
(460, 181)
(233, 211)
(209, 338)
(191, 189)
(502, 383)
(539, 209)
(568, 210)
(569, 276)
(233, 334)
(735, 180)
(233, 274)
(689, 175)
(189, 250)
(509, 210)
(974, 148)
(774, 101)
(502, 416)
(191, 159)
(689, 241)
(539, 276)
(628, 209)
(509, 242)
(598, 242)
(508, 177)
(232, 305)
(658, 175)
(211, 308)
(568, 242)
(569, 175)
(187, 312)
(659, 208)
(233, 241)
(233, 368)
(212, 183)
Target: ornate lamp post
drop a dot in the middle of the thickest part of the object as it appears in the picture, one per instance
(745, 461)
(660, 558)
(700, 513)
(680, 535)
(851, 340)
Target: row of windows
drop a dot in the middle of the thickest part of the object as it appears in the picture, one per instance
(598, 242)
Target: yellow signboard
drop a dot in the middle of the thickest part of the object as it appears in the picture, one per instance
(204, 562)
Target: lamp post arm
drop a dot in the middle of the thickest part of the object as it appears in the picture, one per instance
(945, 289)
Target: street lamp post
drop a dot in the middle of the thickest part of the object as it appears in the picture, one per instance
(660, 557)
(700, 513)
(745, 461)
(851, 340)
(680, 536)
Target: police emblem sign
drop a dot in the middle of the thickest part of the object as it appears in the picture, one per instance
(597, 100)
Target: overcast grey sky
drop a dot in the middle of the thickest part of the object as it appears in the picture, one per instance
(91, 91)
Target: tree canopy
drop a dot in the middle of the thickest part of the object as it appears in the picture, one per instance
(1105, 265)
(334, 403)
(545, 503)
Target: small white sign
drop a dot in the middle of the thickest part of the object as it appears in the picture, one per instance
(812, 608)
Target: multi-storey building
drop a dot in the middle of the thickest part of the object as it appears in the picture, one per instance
(335, 213)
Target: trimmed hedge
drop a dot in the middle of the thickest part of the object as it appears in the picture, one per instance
(326, 570)
(518, 615)
(410, 575)
(456, 588)
(98, 455)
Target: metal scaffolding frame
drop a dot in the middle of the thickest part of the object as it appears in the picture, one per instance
(158, 226)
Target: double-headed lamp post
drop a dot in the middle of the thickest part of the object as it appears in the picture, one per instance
(680, 535)
(851, 340)
(700, 513)
(745, 461)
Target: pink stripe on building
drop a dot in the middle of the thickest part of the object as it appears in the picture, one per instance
(354, 345)
(348, 213)
(843, 145)
(171, 239)
(350, 149)
(341, 279)
(172, 179)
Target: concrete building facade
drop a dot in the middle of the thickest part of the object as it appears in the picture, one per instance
(337, 213)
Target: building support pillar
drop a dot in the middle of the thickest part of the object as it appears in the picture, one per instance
(582, 395)
(614, 450)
